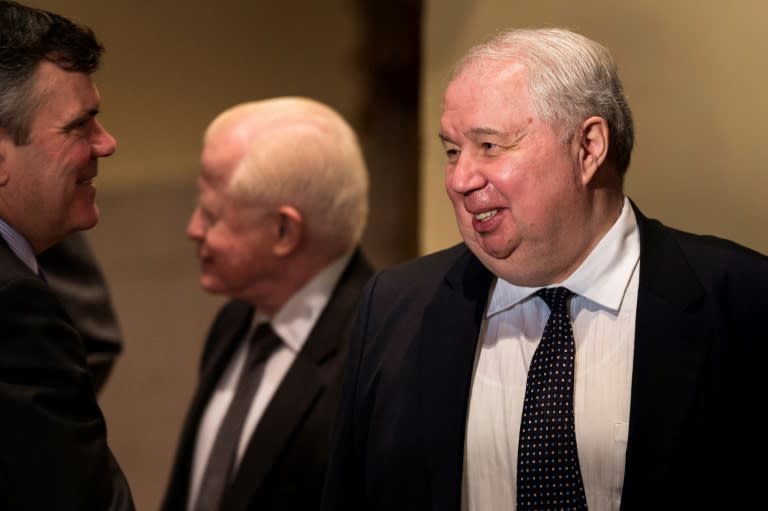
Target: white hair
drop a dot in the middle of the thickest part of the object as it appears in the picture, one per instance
(570, 78)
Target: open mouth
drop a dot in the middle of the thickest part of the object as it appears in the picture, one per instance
(486, 215)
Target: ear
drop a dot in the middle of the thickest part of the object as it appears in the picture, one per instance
(290, 231)
(593, 149)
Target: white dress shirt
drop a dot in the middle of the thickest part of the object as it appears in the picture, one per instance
(603, 316)
(293, 323)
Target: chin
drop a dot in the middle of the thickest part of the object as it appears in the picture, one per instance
(85, 218)
(84, 225)
(211, 286)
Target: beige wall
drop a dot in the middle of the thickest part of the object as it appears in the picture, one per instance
(696, 75)
(172, 65)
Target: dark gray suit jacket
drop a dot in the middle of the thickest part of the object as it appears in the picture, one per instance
(284, 465)
(53, 451)
(696, 440)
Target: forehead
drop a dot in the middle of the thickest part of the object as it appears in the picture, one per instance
(214, 198)
(487, 92)
(227, 142)
(62, 92)
(218, 161)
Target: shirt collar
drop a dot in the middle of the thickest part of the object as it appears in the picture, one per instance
(19, 245)
(602, 278)
(295, 320)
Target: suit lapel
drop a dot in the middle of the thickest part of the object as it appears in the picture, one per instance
(671, 351)
(449, 336)
(228, 330)
(225, 337)
(302, 386)
(295, 396)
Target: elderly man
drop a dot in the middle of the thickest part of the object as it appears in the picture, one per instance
(282, 206)
(571, 353)
(54, 452)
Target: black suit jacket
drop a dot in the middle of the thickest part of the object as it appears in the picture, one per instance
(696, 439)
(53, 446)
(284, 465)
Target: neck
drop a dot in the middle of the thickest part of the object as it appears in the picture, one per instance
(295, 273)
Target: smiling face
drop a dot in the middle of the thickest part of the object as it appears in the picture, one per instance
(235, 242)
(519, 191)
(46, 185)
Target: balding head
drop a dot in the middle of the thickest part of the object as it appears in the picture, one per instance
(299, 152)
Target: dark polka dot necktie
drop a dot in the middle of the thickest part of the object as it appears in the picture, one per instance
(548, 473)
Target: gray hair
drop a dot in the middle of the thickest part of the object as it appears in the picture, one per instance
(28, 37)
(570, 78)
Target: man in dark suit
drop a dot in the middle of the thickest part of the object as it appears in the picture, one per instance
(663, 353)
(282, 206)
(54, 452)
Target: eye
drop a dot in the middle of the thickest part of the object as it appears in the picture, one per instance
(452, 152)
(207, 216)
(488, 146)
(78, 125)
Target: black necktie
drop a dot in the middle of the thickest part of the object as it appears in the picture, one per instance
(218, 471)
(548, 473)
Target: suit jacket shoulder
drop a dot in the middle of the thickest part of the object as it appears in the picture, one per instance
(711, 259)
(54, 451)
(700, 360)
(692, 271)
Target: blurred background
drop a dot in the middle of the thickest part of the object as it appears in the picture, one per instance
(694, 71)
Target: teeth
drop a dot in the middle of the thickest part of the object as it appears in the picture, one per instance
(486, 215)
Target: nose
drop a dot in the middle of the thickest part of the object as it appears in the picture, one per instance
(464, 175)
(103, 143)
(195, 230)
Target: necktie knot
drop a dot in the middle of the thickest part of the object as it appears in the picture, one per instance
(263, 342)
(555, 297)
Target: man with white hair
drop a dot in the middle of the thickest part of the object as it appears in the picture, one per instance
(571, 353)
(283, 201)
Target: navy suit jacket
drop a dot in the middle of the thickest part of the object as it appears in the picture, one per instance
(698, 385)
(284, 465)
(53, 442)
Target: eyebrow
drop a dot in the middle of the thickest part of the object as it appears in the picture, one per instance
(474, 131)
(85, 116)
(485, 131)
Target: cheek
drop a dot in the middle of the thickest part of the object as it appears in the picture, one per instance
(221, 266)
(457, 200)
(67, 153)
(231, 254)
(77, 161)
(217, 244)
